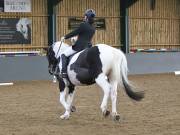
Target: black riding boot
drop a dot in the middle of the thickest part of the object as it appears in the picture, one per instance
(64, 66)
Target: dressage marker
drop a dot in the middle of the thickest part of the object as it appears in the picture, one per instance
(6, 84)
(177, 72)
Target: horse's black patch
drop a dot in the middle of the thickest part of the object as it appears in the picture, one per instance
(71, 88)
(88, 66)
(61, 84)
(51, 59)
(51, 55)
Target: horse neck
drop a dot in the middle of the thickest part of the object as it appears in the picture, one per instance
(59, 48)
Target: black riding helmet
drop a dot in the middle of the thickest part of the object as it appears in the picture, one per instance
(90, 13)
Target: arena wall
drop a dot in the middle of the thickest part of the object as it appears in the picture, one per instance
(156, 28)
(36, 67)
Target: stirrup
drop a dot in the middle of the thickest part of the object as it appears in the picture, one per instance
(64, 75)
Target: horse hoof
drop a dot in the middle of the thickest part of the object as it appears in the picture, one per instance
(106, 113)
(64, 117)
(73, 109)
(116, 117)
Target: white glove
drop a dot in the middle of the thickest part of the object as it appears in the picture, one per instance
(62, 39)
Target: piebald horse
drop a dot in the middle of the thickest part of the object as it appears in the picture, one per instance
(100, 64)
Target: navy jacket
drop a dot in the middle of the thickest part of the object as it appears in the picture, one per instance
(85, 33)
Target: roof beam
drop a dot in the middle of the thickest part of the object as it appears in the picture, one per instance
(131, 2)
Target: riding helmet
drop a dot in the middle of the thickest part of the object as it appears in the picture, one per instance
(90, 13)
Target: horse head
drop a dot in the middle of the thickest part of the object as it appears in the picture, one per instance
(23, 27)
(52, 60)
(53, 55)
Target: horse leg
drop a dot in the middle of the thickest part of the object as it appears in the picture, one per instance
(62, 100)
(103, 83)
(65, 105)
(114, 84)
(70, 97)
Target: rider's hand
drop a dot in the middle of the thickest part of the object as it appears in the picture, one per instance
(62, 38)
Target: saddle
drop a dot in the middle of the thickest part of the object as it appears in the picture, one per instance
(57, 70)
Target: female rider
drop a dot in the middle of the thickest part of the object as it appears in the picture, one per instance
(85, 33)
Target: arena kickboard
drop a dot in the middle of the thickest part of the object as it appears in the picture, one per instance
(6, 84)
(177, 72)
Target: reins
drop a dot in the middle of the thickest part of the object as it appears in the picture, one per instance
(55, 73)
(59, 48)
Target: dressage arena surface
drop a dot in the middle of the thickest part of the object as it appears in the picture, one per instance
(32, 108)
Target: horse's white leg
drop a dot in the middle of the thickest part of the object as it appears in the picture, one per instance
(114, 97)
(103, 83)
(63, 89)
(70, 98)
(114, 100)
(65, 105)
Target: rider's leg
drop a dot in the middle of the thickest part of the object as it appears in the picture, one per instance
(64, 61)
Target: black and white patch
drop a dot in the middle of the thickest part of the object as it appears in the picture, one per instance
(87, 66)
(102, 64)
(52, 60)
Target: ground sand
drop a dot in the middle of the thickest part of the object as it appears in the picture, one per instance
(32, 108)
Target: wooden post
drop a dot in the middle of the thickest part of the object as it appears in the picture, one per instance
(50, 22)
(124, 26)
(124, 23)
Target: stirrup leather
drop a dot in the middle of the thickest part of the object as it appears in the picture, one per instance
(64, 75)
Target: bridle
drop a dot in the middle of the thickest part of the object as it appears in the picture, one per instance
(59, 48)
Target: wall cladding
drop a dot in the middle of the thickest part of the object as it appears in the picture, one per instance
(39, 26)
(158, 28)
(108, 9)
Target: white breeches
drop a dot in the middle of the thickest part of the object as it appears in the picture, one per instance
(69, 51)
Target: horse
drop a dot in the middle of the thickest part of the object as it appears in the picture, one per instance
(23, 26)
(101, 64)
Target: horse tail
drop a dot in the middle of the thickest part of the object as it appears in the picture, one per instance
(123, 77)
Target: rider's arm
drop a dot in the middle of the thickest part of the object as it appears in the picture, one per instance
(75, 32)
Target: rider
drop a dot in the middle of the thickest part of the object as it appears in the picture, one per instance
(85, 32)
